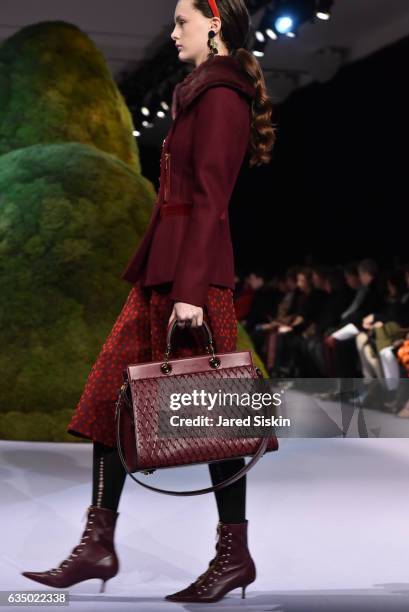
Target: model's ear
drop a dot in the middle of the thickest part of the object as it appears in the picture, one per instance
(216, 25)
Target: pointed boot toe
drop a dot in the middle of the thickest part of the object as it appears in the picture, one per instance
(41, 577)
(93, 557)
(231, 568)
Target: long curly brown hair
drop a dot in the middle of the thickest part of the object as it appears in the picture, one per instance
(235, 28)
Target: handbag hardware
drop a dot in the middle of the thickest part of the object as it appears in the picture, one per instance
(214, 361)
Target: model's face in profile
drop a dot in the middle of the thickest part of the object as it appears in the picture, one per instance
(191, 32)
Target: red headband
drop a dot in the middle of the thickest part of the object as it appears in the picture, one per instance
(214, 8)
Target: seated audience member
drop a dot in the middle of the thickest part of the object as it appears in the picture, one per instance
(340, 346)
(243, 297)
(382, 328)
(290, 359)
(369, 296)
(263, 306)
(287, 306)
(384, 331)
(338, 296)
(285, 312)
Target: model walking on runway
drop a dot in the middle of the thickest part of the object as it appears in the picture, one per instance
(183, 269)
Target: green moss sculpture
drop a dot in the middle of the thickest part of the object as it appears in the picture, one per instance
(69, 218)
(55, 86)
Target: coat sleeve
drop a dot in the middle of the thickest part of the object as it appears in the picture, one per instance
(220, 140)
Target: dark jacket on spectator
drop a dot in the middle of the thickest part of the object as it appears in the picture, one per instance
(368, 300)
(310, 306)
(335, 304)
(395, 310)
(263, 307)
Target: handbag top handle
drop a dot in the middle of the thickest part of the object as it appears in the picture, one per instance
(214, 361)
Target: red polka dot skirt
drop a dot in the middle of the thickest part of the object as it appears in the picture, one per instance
(139, 335)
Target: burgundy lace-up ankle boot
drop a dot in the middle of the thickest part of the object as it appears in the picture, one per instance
(93, 557)
(232, 567)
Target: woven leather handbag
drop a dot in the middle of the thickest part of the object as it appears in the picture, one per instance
(142, 397)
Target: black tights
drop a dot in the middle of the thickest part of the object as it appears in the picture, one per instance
(109, 479)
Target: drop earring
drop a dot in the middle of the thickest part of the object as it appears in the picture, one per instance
(211, 43)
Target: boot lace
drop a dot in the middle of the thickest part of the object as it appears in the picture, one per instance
(217, 565)
(76, 551)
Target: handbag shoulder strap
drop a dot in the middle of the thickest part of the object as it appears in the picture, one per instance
(221, 485)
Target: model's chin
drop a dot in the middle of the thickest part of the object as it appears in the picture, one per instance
(182, 56)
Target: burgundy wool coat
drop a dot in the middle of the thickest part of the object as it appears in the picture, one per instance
(188, 241)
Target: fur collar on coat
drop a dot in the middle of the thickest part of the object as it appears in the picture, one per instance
(220, 70)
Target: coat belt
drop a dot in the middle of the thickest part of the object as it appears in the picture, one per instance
(175, 207)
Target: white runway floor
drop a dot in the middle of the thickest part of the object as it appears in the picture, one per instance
(328, 527)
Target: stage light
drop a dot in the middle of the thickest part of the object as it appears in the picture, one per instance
(271, 34)
(284, 24)
(323, 9)
(136, 133)
(260, 36)
(286, 16)
(266, 25)
(145, 111)
(160, 114)
(258, 47)
(164, 105)
(147, 124)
